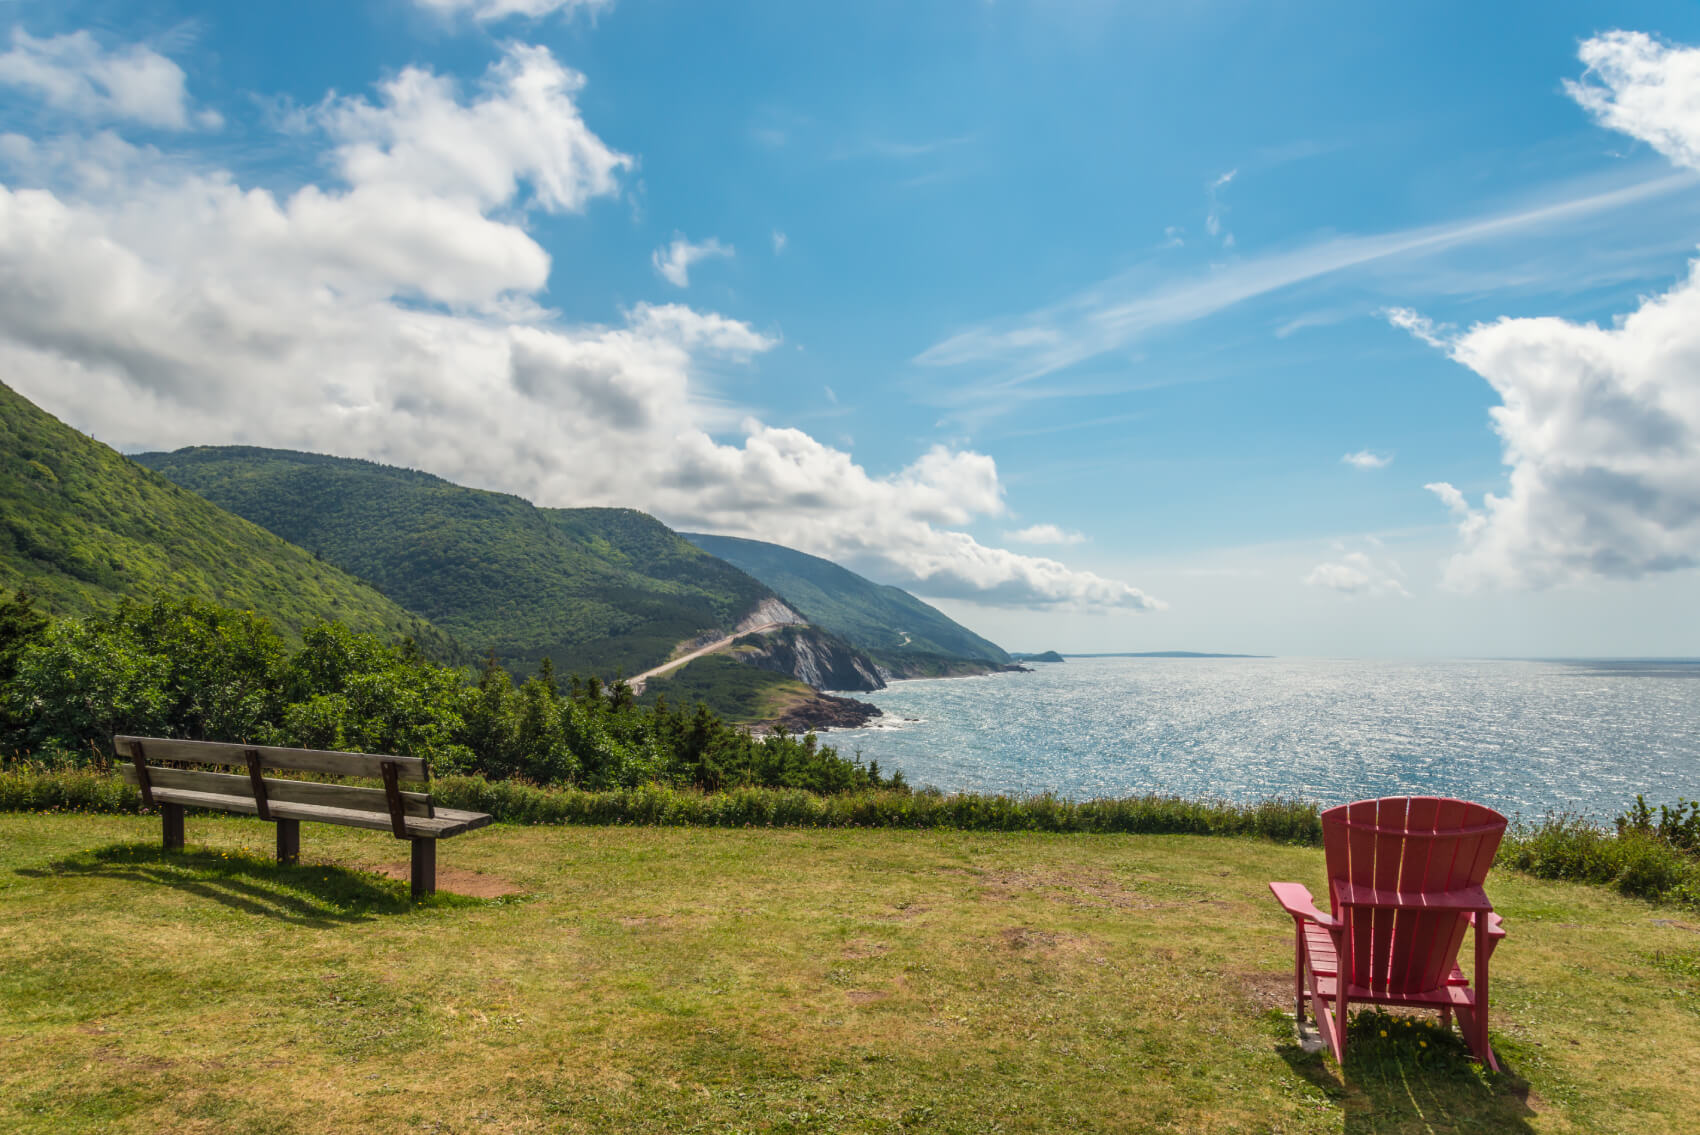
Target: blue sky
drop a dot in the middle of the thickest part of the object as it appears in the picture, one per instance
(1065, 315)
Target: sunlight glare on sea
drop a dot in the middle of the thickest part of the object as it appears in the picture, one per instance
(1523, 737)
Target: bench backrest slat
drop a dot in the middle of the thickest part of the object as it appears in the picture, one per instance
(349, 796)
(368, 765)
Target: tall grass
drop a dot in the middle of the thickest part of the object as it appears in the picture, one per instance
(1287, 821)
(35, 788)
(1643, 857)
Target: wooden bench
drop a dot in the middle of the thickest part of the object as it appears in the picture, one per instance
(406, 815)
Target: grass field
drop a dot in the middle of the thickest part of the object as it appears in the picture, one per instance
(695, 979)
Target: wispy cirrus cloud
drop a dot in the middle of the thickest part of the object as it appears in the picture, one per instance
(486, 11)
(1115, 313)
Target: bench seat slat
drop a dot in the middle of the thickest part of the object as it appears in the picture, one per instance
(447, 822)
(297, 791)
(272, 757)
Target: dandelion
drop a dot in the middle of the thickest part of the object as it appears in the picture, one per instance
(1383, 1032)
(1423, 1043)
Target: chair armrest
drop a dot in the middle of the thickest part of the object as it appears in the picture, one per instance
(1296, 901)
(1495, 926)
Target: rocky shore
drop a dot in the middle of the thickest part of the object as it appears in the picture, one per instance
(827, 711)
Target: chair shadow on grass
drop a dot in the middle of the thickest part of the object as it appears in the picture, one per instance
(306, 895)
(1410, 1075)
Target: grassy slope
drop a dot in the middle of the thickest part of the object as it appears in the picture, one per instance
(661, 979)
(870, 616)
(81, 527)
(739, 692)
(595, 589)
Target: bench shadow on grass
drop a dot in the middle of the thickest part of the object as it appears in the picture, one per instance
(307, 895)
(1409, 1075)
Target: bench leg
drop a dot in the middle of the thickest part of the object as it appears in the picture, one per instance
(424, 867)
(171, 822)
(288, 841)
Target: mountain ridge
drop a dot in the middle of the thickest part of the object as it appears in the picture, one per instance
(82, 528)
(906, 636)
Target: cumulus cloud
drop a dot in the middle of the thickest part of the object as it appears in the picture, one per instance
(1644, 88)
(1044, 534)
(488, 10)
(394, 313)
(73, 73)
(1364, 459)
(1357, 573)
(1600, 426)
(674, 260)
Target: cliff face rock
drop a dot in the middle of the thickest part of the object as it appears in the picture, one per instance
(766, 613)
(810, 655)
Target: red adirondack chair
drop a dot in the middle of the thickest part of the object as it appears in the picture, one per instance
(1404, 884)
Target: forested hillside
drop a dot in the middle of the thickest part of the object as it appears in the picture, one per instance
(598, 591)
(902, 633)
(82, 527)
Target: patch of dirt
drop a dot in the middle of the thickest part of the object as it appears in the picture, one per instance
(902, 913)
(1032, 938)
(1071, 888)
(866, 996)
(865, 948)
(469, 883)
(1675, 925)
(1267, 989)
(632, 921)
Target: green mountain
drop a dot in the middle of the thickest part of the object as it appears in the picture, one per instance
(82, 527)
(905, 635)
(594, 589)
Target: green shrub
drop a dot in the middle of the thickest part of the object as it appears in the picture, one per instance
(1638, 859)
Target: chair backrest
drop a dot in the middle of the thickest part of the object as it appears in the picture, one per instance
(1410, 845)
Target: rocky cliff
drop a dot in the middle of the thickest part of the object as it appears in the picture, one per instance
(810, 655)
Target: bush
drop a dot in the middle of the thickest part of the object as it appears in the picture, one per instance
(1638, 859)
(183, 668)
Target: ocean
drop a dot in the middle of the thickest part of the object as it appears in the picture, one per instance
(1523, 737)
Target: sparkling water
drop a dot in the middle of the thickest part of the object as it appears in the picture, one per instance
(1523, 737)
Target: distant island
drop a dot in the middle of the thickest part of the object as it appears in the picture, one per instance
(1047, 656)
(1164, 654)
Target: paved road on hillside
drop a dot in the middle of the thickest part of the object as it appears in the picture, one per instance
(637, 683)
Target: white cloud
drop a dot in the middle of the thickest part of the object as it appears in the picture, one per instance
(1600, 426)
(73, 73)
(502, 9)
(1364, 459)
(780, 240)
(674, 261)
(1044, 534)
(157, 304)
(1645, 89)
(1420, 326)
(1213, 219)
(1357, 573)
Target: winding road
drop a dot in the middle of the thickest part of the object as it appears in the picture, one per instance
(638, 682)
